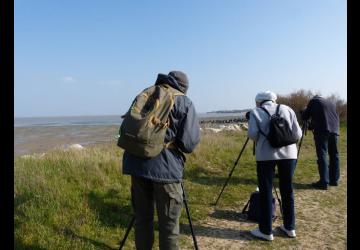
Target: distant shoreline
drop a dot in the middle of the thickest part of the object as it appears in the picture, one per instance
(119, 115)
(229, 111)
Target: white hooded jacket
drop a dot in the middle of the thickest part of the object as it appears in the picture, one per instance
(264, 151)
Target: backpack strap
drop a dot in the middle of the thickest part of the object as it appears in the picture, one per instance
(277, 109)
(267, 112)
(261, 132)
(173, 93)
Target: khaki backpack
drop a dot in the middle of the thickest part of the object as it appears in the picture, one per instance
(142, 132)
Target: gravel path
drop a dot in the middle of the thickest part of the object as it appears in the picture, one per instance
(321, 220)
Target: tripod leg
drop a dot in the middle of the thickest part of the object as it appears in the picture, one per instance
(300, 145)
(127, 232)
(304, 128)
(188, 214)
(281, 211)
(232, 170)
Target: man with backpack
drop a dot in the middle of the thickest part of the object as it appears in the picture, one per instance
(156, 164)
(325, 122)
(275, 130)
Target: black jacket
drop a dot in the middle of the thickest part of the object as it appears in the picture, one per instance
(324, 117)
(184, 127)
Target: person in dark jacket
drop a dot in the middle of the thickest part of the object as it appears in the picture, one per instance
(156, 182)
(325, 123)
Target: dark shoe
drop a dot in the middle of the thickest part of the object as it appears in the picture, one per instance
(334, 184)
(319, 185)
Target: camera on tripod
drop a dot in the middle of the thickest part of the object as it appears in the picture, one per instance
(307, 124)
(247, 115)
(310, 125)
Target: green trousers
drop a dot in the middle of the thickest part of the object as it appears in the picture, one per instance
(167, 198)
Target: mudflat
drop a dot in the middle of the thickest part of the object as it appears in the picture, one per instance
(30, 140)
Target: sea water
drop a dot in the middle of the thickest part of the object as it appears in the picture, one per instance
(39, 134)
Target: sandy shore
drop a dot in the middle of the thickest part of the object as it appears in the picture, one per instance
(39, 139)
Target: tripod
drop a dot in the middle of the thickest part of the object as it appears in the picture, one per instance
(279, 201)
(232, 170)
(304, 129)
(188, 215)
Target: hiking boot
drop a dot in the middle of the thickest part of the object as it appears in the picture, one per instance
(319, 185)
(335, 183)
(258, 234)
(290, 233)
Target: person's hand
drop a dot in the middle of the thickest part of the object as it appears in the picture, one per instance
(302, 110)
(310, 125)
(247, 115)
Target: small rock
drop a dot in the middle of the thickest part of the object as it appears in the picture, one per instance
(76, 147)
(215, 130)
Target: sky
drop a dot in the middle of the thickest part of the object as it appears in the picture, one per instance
(93, 57)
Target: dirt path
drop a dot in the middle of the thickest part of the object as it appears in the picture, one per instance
(321, 222)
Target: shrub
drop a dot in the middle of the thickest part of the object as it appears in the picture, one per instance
(299, 100)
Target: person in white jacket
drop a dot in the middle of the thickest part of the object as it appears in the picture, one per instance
(267, 158)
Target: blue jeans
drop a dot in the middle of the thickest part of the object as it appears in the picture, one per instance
(326, 144)
(265, 174)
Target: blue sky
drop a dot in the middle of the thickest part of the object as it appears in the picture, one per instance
(92, 57)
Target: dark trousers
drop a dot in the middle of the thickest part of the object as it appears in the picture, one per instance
(326, 144)
(265, 174)
(167, 199)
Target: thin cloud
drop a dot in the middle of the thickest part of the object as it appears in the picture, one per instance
(111, 83)
(68, 79)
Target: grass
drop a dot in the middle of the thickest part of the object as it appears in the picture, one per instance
(80, 199)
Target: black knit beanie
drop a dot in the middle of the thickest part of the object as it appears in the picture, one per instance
(181, 78)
